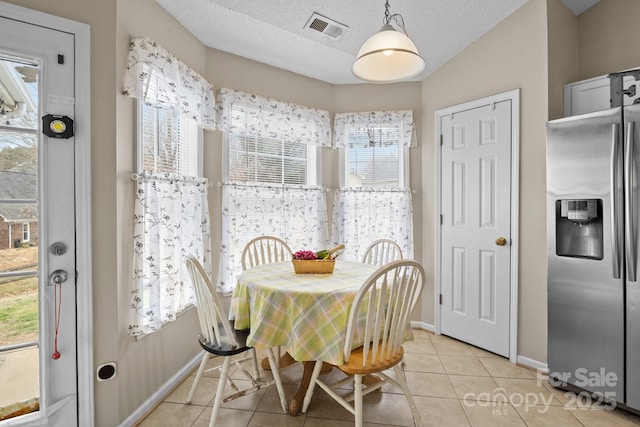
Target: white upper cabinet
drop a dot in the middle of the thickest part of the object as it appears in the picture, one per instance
(594, 94)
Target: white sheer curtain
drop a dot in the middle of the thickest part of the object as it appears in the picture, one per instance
(259, 206)
(171, 221)
(363, 215)
(171, 211)
(158, 78)
(250, 115)
(343, 123)
(296, 214)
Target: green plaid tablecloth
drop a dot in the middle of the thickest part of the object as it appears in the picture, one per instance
(304, 313)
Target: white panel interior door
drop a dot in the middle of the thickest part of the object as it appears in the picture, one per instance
(476, 192)
(51, 54)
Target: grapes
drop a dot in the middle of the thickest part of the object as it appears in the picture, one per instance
(305, 255)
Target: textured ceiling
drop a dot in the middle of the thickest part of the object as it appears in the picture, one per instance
(273, 31)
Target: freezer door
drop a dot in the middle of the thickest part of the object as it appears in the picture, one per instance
(632, 149)
(585, 284)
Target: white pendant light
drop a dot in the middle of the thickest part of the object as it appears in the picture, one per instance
(389, 55)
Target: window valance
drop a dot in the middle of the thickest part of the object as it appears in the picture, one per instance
(402, 120)
(158, 78)
(252, 115)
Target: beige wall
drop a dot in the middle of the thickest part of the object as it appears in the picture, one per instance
(563, 54)
(512, 55)
(608, 35)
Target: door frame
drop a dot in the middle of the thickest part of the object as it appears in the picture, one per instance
(82, 193)
(514, 97)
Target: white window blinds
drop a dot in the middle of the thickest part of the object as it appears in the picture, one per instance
(169, 143)
(264, 160)
(373, 157)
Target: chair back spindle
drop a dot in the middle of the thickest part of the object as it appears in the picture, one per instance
(382, 308)
(381, 252)
(265, 250)
(210, 311)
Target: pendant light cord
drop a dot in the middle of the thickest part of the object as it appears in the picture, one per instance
(387, 15)
(396, 17)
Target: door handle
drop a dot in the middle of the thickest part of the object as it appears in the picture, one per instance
(501, 241)
(630, 208)
(615, 204)
(58, 277)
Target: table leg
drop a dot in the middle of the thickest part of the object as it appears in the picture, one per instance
(296, 403)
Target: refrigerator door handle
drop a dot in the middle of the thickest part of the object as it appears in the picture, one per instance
(630, 208)
(615, 235)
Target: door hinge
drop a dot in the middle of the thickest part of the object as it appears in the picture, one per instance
(441, 139)
(440, 299)
(441, 219)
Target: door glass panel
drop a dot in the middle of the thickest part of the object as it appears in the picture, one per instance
(19, 334)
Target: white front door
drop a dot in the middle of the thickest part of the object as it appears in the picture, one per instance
(476, 225)
(37, 194)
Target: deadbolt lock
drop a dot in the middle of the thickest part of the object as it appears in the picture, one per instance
(501, 241)
(58, 248)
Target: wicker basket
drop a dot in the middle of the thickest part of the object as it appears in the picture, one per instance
(313, 266)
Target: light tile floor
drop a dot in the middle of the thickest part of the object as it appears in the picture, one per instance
(452, 383)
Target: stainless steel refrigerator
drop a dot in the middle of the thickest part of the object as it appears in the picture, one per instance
(593, 228)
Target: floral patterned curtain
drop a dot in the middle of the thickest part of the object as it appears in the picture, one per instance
(250, 115)
(296, 214)
(403, 120)
(360, 213)
(171, 221)
(158, 78)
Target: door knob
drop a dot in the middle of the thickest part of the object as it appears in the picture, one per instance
(58, 277)
(501, 241)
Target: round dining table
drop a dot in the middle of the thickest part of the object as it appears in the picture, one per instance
(305, 313)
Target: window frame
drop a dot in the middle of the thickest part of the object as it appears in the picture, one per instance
(140, 139)
(26, 231)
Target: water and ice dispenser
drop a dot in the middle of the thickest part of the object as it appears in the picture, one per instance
(579, 228)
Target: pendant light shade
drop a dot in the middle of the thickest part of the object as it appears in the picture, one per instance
(389, 55)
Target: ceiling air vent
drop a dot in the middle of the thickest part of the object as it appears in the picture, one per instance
(326, 26)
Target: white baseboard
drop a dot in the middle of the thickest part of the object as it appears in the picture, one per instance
(522, 360)
(422, 325)
(161, 393)
(531, 363)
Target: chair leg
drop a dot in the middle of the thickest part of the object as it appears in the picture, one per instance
(203, 363)
(401, 380)
(312, 385)
(254, 364)
(357, 398)
(220, 390)
(276, 376)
